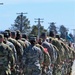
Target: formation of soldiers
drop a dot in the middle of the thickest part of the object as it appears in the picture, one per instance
(48, 55)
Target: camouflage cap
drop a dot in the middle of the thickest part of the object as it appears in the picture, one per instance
(5, 34)
(32, 39)
(13, 33)
(24, 35)
(9, 32)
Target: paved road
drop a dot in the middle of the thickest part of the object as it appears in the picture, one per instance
(73, 68)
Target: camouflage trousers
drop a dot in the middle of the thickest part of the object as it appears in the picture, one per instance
(4, 73)
(32, 71)
(46, 71)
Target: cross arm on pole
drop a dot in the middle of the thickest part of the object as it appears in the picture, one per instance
(1, 3)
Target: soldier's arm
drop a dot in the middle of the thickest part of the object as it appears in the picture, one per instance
(14, 52)
(41, 56)
(23, 61)
(11, 57)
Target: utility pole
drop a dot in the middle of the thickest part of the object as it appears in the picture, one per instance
(51, 23)
(21, 20)
(39, 25)
(1, 3)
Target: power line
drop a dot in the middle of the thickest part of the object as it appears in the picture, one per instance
(21, 20)
(39, 25)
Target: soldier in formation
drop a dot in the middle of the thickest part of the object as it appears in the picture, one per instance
(6, 58)
(50, 55)
(32, 58)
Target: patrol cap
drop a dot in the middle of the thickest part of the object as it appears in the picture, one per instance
(13, 33)
(1, 36)
(8, 31)
(5, 34)
(32, 39)
(24, 35)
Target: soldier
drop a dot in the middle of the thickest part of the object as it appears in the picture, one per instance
(49, 48)
(56, 42)
(70, 59)
(6, 58)
(17, 45)
(18, 38)
(10, 44)
(19, 49)
(32, 58)
(67, 56)
(57, 58)
(60, 48)
(47, 58)
(25, 38)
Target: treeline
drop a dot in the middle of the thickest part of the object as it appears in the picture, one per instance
(23, 23)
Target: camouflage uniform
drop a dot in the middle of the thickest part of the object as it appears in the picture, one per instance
(66, 66)
(47, 60)
(66, 57)
(22, 44)
(51, 52)
(32, 60)
(50, 49)
(10, 44)
(26, 42)
(25, 39)
(6, 59)
(60, 52)
(19, 48)
(70, 61)
(66, 50)
(56, 62)
(57, 43)
(13, 49)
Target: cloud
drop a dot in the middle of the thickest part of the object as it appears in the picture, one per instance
(32, 1)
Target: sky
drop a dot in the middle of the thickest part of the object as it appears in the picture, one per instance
(62, 12)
